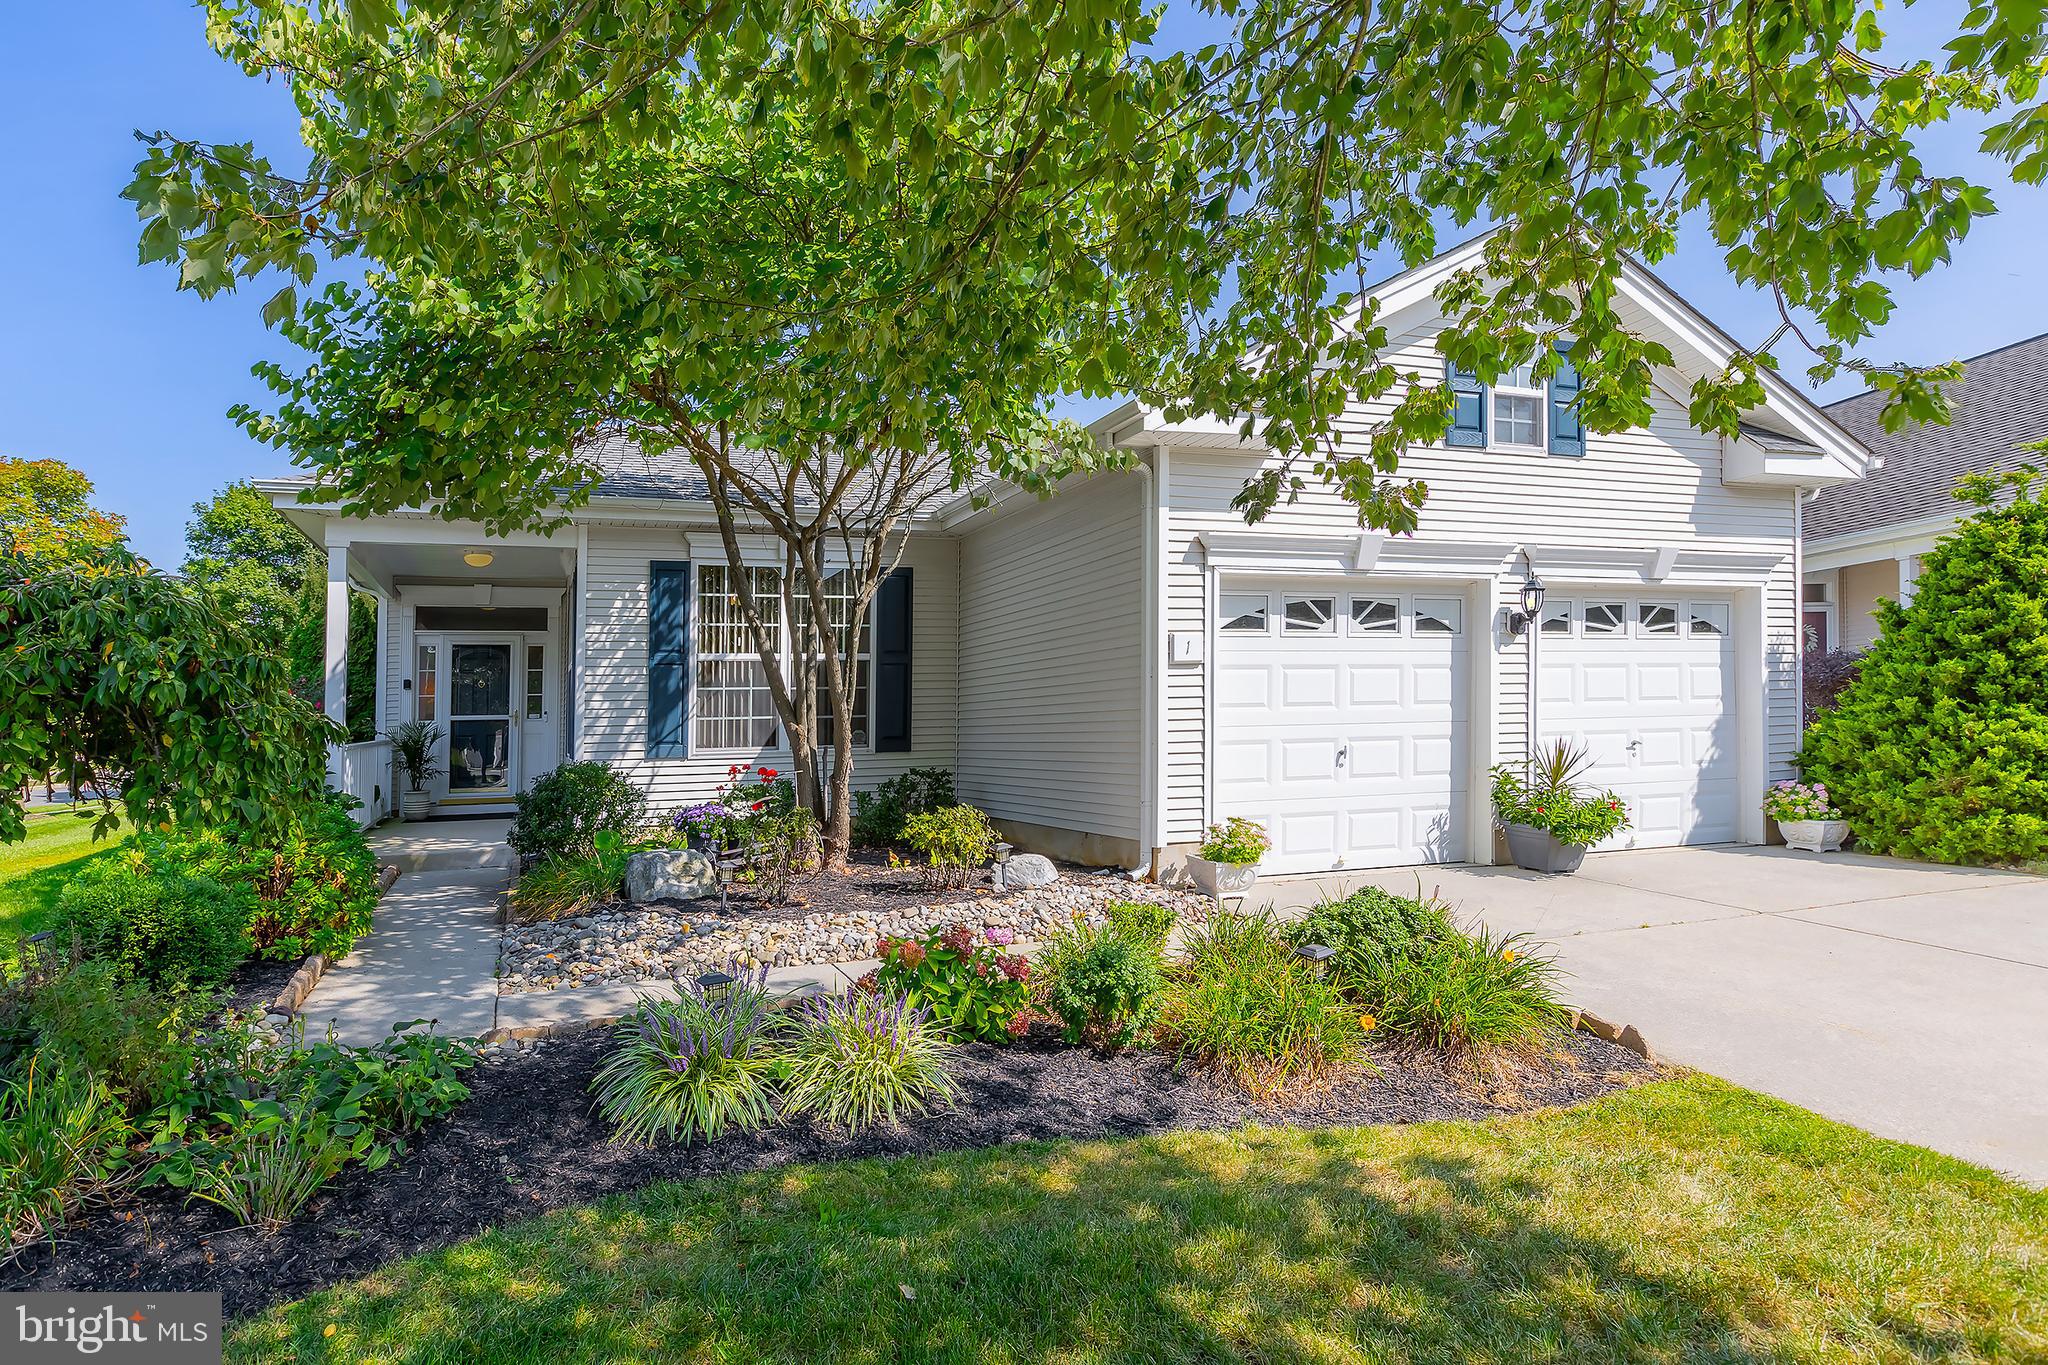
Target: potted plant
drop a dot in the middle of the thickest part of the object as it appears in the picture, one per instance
(414, 745)
(701, 825)
(1805, 816)
(1550, 822)
(1229, 858)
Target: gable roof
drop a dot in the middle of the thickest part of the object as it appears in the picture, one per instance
(2000, 403)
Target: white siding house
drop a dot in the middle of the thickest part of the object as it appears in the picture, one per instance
(1110, 670)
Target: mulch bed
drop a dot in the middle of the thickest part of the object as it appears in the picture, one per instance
(255, 984)
(526, 1142)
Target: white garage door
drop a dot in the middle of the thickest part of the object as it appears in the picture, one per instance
(1340, 724)
(1645, 684)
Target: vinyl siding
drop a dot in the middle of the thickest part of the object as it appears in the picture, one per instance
(1859, 588)
(1051, 660)
(611, 712)
(1649, 488)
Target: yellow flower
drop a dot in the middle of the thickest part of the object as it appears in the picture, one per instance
(1507, 955)
(1367, 1022)
(328, 1330)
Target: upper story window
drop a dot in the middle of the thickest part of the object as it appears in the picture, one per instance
(1518, 401)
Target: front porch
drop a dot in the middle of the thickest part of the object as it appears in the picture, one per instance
(472, 638)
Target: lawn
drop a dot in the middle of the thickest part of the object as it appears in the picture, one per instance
(33, 869)
(1683, 1220)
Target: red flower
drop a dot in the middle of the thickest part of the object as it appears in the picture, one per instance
(767, 773)
(733, 769)
(757, 805)
(1018, 1024)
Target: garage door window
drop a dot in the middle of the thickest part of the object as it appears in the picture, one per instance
(1658, 618)
(1707, 618)
(1375, 614)
(1244, 614)
(1606, 618)
(1309, 616)
(1557, 618)
(1437, 615)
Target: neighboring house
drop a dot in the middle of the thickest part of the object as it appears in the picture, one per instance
(1111, 669)
(1864, 540)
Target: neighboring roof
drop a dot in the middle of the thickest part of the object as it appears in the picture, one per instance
(1999, 404)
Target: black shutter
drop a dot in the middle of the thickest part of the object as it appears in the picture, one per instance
(1567, 433)
(1468, 408)
(668, 659)
(892, 664)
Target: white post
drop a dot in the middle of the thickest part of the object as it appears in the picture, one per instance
(337, 634)
(1908, 577)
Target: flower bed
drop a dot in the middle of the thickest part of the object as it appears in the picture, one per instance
(637, 943)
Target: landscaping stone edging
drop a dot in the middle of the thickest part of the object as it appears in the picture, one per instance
(292, 998)
(1622, 1035)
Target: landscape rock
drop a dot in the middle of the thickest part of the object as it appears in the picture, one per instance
(1030, 869)
(669, 874)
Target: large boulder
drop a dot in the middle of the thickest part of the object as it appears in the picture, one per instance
(1030, 869)
(669, 874)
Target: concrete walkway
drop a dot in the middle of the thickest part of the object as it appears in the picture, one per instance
(432, 952)
(1908, 999)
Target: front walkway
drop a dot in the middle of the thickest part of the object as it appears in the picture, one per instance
(1906, 998)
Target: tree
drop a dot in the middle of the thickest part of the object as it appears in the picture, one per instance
(1939, 748)
(266, 573)
(124, 671)
(46, 509)
(1263, 180)
(805, 425)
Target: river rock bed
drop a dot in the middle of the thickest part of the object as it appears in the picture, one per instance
(636, 943)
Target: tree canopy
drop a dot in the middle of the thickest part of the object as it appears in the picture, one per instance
(1243, 195)
(46, 509)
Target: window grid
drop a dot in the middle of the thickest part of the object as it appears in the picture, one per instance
(536, 682)
(733, 707)
(1309, 616)
(1657, 618)
(1606, 618)
(839, 603)
(1373, 615)
(1518, 400)
(426, 683)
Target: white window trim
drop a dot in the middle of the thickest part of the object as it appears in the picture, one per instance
(783, 646)
(1224, 617)
(1541, 393)
(1329, 625)
(1351, 623)
(1642, 626)
(1570, 609)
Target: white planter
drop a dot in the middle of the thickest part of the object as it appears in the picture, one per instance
(1814, 836)
(416, 805)
(1218, 880)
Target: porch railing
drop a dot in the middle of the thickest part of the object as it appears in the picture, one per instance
(364, 770)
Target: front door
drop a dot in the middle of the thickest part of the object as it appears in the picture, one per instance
(483, 737)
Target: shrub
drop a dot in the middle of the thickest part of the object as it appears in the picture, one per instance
(1238, 842)
(1550, 799)
(878, 815)
(692, 1067)
(88, 1018)
(172, 929)
(1939, 748)
(1371, 931)
(1106, 986)
(859, 1059)
(563, 812)
(63, 1142)
(971, 988)
(784, 846)
(1468, 994)
(1824, 674)
(1244, 1003)
(1141, 918)
(314, 877)
(955, 840)
(571, 886)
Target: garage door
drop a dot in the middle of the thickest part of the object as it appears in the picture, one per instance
(1340, 724)
(1644, 683)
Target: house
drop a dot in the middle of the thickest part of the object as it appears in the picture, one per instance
(1864, 540)
(1111, 669)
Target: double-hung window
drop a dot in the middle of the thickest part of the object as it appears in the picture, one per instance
(1518, 401)
(733, 706)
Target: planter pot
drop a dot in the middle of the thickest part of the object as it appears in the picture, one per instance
(1814, 836)
(416, 805)
(1218, 880)
(1538, 850)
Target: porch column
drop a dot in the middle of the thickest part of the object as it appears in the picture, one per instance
(337, 634)
(1908, 577)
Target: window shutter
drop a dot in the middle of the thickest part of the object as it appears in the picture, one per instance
(892, 664)
(1468, 409)
(1567, 433)
(668, 659)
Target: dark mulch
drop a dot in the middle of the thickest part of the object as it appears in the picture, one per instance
(526, 1142)
(256, 983)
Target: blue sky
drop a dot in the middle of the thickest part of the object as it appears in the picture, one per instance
(104, 365)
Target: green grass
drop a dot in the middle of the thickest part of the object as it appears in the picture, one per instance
(1686, 1220)
(33, 869)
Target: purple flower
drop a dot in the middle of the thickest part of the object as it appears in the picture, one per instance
(1000, 935)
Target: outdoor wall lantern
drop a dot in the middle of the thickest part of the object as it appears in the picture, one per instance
(1532, 602)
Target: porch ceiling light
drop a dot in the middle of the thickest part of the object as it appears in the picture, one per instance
(478, 559)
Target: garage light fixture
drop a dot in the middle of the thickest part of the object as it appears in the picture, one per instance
(1532, 602)
(478, 559)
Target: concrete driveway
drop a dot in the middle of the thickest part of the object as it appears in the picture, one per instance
(1908, 999)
